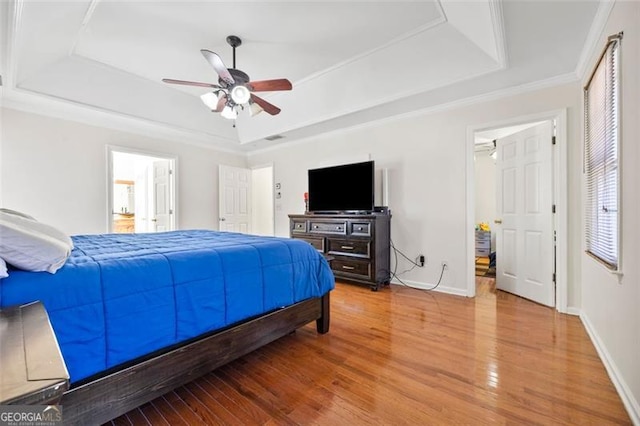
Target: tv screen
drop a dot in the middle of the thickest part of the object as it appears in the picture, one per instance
(346, 188)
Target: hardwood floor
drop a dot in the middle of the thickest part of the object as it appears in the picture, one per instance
(405, 356)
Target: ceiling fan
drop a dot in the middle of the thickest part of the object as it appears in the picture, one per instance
(234, 88)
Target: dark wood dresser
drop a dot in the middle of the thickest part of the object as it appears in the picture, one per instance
(357, 245)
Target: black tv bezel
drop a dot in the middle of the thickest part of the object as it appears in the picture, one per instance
(345, 211)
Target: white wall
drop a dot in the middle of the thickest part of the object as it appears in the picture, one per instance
(611, 306)
(486, 191)
(425, 158)
(56, 170)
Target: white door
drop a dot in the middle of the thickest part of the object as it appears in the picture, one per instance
(524, 226)
(235, 199)
(162, 208)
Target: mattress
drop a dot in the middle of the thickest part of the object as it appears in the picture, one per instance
(122, 296)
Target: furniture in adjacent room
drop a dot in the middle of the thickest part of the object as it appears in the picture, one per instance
(483, 243)
(31, 365)
(123, 223)
(357, 245)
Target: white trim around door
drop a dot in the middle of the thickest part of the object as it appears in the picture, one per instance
(560, 199)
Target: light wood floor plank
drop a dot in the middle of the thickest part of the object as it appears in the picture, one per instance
(405, 356)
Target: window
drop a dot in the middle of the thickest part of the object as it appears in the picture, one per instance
(601, 161)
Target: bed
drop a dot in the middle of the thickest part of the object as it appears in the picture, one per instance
(136, 315)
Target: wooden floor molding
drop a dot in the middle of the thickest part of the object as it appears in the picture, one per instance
(406, 356)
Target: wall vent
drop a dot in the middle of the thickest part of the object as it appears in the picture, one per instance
(274, 137)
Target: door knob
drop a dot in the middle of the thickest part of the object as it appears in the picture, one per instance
(498, 221)
(222, 219)
(154, 220)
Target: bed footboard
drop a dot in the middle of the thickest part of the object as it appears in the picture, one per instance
(112, 395)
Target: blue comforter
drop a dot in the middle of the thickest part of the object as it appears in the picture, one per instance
(121, 296)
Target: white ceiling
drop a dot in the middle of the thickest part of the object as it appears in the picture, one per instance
(350, 62)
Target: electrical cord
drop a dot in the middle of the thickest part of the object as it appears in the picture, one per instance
(396, 275)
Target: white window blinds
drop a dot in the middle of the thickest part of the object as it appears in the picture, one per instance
(601, 109)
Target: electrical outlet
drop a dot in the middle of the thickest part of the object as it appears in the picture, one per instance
(421, 260)
(445, 264)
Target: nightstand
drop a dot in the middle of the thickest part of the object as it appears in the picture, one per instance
(32, 370)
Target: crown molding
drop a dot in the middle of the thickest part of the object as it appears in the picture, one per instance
(590, 47)
(495, 6)
(460, 103)
(50, 106)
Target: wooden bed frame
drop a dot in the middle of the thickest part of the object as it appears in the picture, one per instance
(115, 393)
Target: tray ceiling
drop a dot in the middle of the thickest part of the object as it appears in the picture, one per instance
(350, 61)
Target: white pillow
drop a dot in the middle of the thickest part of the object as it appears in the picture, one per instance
(31, 245)
(17, 213)
(3, 269)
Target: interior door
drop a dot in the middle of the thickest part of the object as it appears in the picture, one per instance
(524, 227)
(235, 199)
(162, 208)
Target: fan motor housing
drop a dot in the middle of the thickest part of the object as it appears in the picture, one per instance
(240, 77)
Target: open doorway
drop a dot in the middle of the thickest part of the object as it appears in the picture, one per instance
(246, 199)
(142, 192)
(522, 164)
(486, 204)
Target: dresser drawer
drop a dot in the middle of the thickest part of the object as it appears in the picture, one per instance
(360, 229)
(353, 248)
(483, 236)
(352, 268)
(483, 251)
(339, 228)
(298, 226)
(316, 242)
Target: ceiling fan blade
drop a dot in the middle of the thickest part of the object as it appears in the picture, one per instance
(218, 65)
(269, 85)
(269, 108)
(190, 83)
(221, 103)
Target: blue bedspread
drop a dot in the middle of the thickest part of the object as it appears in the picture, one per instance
(121, 296)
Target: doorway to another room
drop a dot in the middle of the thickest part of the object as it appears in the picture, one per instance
(514, 244)
(142, 192)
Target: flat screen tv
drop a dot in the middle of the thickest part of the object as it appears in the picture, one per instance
(346, 188)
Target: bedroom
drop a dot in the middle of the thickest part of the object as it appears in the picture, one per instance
(55, 151)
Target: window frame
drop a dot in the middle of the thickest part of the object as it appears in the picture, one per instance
(607, 161)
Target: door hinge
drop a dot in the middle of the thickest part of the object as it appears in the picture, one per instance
(171, 170)
(553, 140)
(553, 208)
(170, 211)
(554, 277)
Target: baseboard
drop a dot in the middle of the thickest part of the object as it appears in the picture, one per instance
(630, 403)
(573, 311)
(426, 286)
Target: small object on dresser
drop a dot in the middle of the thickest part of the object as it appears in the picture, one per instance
(306, 203)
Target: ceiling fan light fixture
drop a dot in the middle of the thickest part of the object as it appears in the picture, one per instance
(254, 109)
(229, 113)
(240, 95)
(210, 99)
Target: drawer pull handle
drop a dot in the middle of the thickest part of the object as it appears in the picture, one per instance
(359, 228)
(315, 226)
(346, 247)
(347, 267)
(338, 228)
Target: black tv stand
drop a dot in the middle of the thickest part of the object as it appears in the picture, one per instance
(357, 245)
